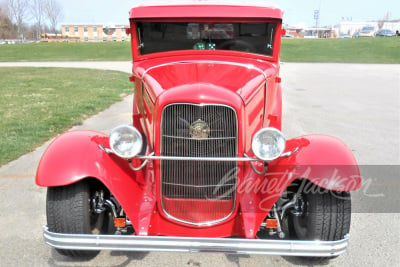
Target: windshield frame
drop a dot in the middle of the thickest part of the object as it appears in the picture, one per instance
(274, 57)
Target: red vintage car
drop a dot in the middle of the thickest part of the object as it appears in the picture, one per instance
(205, 166)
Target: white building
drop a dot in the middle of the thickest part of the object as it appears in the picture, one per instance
(351, 27)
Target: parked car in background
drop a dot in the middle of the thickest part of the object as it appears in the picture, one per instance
(288, 35)
(385, 33)
(204, 167)
(344, 35)
(310, 34)
(356, 35)
(367, 31)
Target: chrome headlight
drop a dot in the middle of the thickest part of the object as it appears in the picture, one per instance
(126, 141)
(268, 144)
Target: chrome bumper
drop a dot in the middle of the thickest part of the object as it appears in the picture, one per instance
(195, 244)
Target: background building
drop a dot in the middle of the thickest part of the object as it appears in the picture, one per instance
(344, 27)
(94, 33)
(350, 27)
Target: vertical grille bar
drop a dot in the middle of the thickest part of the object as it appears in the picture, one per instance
(198, 192)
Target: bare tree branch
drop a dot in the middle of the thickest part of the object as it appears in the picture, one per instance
(37, 8)
(6, 27)
(386, 18)
(54, 13)
(18, 11)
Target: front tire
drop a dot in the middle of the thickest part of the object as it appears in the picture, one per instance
(326, 216)
(68, 211)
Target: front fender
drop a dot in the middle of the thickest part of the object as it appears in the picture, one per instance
(76, 155)
(324, 160)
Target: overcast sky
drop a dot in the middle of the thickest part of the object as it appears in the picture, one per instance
(331, 11)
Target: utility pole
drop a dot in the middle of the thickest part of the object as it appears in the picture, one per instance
(316, 18)
(317, 13)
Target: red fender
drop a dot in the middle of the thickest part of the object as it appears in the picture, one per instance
(76, 155)
(323, 160)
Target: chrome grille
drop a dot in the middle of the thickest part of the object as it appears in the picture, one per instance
(198, 192)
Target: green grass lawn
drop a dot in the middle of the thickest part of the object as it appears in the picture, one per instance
(36, 104)
(360, 50)
(106, 51)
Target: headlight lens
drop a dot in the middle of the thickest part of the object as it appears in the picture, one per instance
(268, 144)
(126, 141)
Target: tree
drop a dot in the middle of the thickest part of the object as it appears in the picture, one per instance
(54, 13)
(2, 18)
(386, 17)
(37, 9)
(18, 12)
(6, 26)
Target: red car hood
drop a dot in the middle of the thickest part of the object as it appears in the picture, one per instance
(242, 78)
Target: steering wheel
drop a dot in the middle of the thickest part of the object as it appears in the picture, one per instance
(237, 45)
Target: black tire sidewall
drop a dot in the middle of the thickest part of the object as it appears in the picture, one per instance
(326, 216)
(68, 211)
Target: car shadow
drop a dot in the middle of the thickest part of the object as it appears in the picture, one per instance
(307, 261)
(130, 256)
(57, 259)
(235, 258)
(301, 261)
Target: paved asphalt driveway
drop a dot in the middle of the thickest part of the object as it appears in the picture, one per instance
(358, 103)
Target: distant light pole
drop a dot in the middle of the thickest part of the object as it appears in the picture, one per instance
(316, 17)
(317, 13)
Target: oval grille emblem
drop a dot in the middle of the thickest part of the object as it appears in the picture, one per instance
(199, 130)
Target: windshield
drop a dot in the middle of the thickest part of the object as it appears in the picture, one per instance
(367, 29)
(156, 37)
